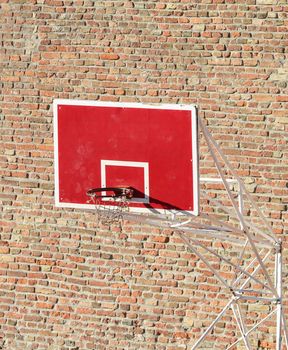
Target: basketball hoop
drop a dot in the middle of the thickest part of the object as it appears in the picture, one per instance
(110, 202)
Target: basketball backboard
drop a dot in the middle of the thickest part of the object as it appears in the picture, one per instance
(150, 148)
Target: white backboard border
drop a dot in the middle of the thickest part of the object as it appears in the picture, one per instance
(195, 164)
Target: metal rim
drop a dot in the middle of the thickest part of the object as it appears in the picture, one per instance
(116, 192)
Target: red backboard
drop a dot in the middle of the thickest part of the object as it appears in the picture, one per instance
(151, 148)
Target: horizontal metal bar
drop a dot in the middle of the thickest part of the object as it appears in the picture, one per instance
(209, 234)
(251, 291)
(250, 297)
(216, 180)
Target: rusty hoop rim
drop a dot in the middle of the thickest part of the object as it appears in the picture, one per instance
(126, 192)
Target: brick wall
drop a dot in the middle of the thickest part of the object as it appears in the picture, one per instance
(68, 284)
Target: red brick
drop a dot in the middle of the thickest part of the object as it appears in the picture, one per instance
(43, 305)
(282, 98)
(109, 56)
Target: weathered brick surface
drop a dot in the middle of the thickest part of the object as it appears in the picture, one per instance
(66, 284)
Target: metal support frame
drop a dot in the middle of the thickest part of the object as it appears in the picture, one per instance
(261, 242)
(271, 292)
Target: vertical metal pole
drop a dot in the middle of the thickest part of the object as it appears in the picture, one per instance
(240, 202)
(241, 325)
(278, 280)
